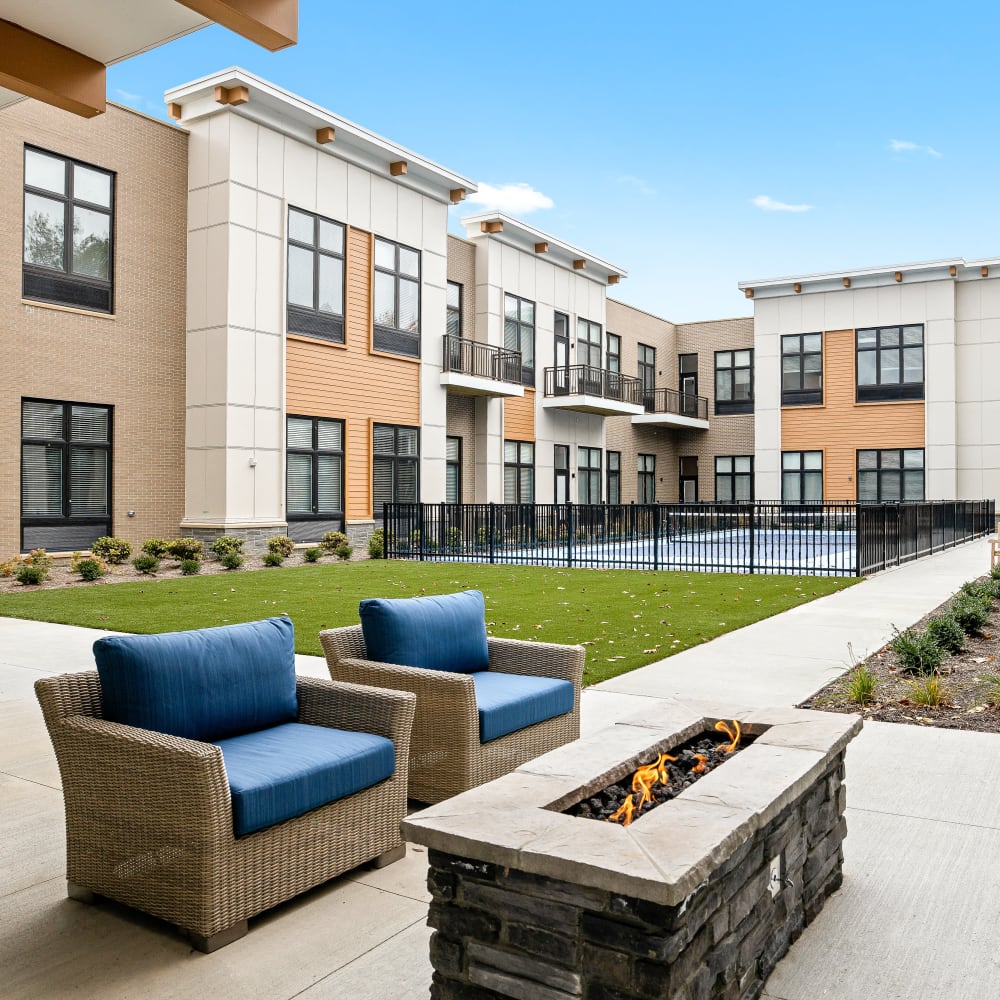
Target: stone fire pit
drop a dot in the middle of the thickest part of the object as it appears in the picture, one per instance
(698, 898)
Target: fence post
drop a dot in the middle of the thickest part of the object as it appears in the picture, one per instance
(858, 517)
(491, 527)
(421, 529)
(753, 547)
(656, 536)
(570, 533)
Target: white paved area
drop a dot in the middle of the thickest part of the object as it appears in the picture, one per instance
(916, 917)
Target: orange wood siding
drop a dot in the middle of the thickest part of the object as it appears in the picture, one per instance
(841, 426)
(349, 383)
(519, 417)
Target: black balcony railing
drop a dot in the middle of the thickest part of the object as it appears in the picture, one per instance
(684, 404)
(585, 380)
(469, 357)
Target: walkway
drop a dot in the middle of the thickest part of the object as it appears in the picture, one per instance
(914, 918)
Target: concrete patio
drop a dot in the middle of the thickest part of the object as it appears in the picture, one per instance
(915, 916)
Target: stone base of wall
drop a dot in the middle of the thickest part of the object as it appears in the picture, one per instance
(359, 533)
(255, 538)
(500, 932)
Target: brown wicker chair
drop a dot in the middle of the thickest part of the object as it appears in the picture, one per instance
(446, 756)
(149, 817)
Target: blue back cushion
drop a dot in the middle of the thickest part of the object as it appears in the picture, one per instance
(446, 632)
(509, 702)
(204, 685)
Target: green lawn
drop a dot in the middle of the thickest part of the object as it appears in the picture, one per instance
(625, 618)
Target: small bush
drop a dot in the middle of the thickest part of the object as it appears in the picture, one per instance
(312, 554)
(29, 574)
(995, 572)
(232, 560)
(190, 567)
(929, 692)
(947, 633)
(971, 613)
(185, 548)
(861, 684)
(146, 564)
(156, 547)
(273, 558)
(376, 544)
(90, 569)
(281, 544)
(113, 550)
(344, 551)
(78, 558)
(992, 682)
(9, 567)
(916, 653)
(332, 540)
(226, 545)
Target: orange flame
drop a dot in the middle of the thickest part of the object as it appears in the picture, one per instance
(624, 814)
(699, 768)
(645, 777)
(733, 732)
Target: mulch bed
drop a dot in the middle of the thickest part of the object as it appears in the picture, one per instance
(972, 701)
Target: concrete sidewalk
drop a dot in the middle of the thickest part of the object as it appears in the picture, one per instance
(915, 916)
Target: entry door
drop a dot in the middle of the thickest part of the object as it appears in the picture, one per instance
(689, 479)
(688, 383)
(561, 354)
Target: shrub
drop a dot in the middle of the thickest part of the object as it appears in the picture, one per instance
(232, 560)
(971, 613)
(281, 544)
(156, 547)
(376, 544)
(39, 558)
(78, 558)
(90, 569)
(861, 684)
(10, 566)
(146, 564)
(947, 633)
(312, 554)
(30, 574)
(226, 545)
(929, 692)
(995, 572)
(992, 682)
(332, 540)
(344, 551)
(185, 548)
(273, 558)
(113, 550)
(916, 653)
(190, 567)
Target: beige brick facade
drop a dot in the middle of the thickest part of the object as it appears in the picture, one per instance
(132, 361)
(462, 269)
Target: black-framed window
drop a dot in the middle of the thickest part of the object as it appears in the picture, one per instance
(453, 470)
(890, 363)
(588, 343)
(613, 361)
(65, 474)
(560, 473)
(733, 478)
(518, 472)
(395, 465)
(647, 372)
(315, 276)
(801, 369)
(397, 298)
(614, 476)
(646, 479)
(887, 474)
(314, 472)
(588, 475)
(519, 333)
(801, 476)
(734, 381)
(453, 313)
(68, 255)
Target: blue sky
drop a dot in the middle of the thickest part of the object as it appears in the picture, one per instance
(695, 145)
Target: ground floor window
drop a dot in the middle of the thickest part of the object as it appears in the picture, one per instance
(518, 472)
(453, 470)
(395, 465)
(646, 485)
(614, 477)
(560, 473)
(588, 465)
(733, 478)
(891, 474)
(65, 474)
(314, 473)
(801, 476)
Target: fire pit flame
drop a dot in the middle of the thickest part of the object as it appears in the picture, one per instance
(624, 814)
(733, 732)
(699, 768)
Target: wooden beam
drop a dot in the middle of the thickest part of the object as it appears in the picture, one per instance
(457, 195)
(541, 248)
(847, 282)
(579, 265)
(953, 270)
(398, 168)
(748, 292)
(613, 279)
(175, 110)
(492, 226)
(232, 95)
(898, 275)
(326, 134)
(985, 271)
(796, 287)
(272, 24)
(47, 71)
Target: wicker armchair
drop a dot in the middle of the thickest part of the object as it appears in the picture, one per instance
(446, 755)
(149, 817)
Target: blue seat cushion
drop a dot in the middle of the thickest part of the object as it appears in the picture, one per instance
(287, 770)
(440, 632)
(206, 684)
(508, 702)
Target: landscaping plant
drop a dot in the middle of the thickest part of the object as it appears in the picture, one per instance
(156, 547)
(971, 612)
(273, 558)
(185, 548)
(232, 560)
(929, 692)
(861, 684)
(190, 567)
(281, 544)
(146, 564)
(344, 551)
(947, 633)
(376, 544)
(226, 545)
(90, 569)
(111, 549)
(312, 554)
(917, 653)
(332, 540)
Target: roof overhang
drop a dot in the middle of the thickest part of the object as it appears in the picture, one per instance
(239, 92)
(513, 232)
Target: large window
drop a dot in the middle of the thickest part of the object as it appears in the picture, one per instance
(519, 333)
(68, 232)
(395, 465)
(588, 475)
(646, 484)
(734, 381)
(397, 299)
(65, 474)
(588, 343)
(560, 473)
(314, 476)
(453, 314)
(453, 470)
(614, 353)
(802, 369)
(647, 373)
(315, 276)
(518, 472)
(801, 476)
(891, 474)
(733, 478)
(614, 477)
(890, 363)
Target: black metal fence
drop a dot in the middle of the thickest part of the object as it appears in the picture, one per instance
(828, 539)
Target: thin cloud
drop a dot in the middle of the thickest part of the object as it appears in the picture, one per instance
(642, 186)
(512, 199)
(124, 95)
(768, 204)
(903, 146)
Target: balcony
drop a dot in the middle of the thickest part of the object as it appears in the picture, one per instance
(670, 408)
(469, 368)
(592, 390)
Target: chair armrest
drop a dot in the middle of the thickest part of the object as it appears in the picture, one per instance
(340, 705)
(538, 659)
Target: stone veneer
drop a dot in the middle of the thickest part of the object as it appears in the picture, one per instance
(531, 903)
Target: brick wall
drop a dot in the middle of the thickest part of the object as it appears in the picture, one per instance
(462, 268)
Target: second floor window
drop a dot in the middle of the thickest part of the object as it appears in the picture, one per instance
(519, 333)
(453, 315)
(588, 343)
(315, 276)
(397, 299)
(890, 363)
(647, 373)
(734, 381)
(801, 369)
(68, 232)
(614, 355)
